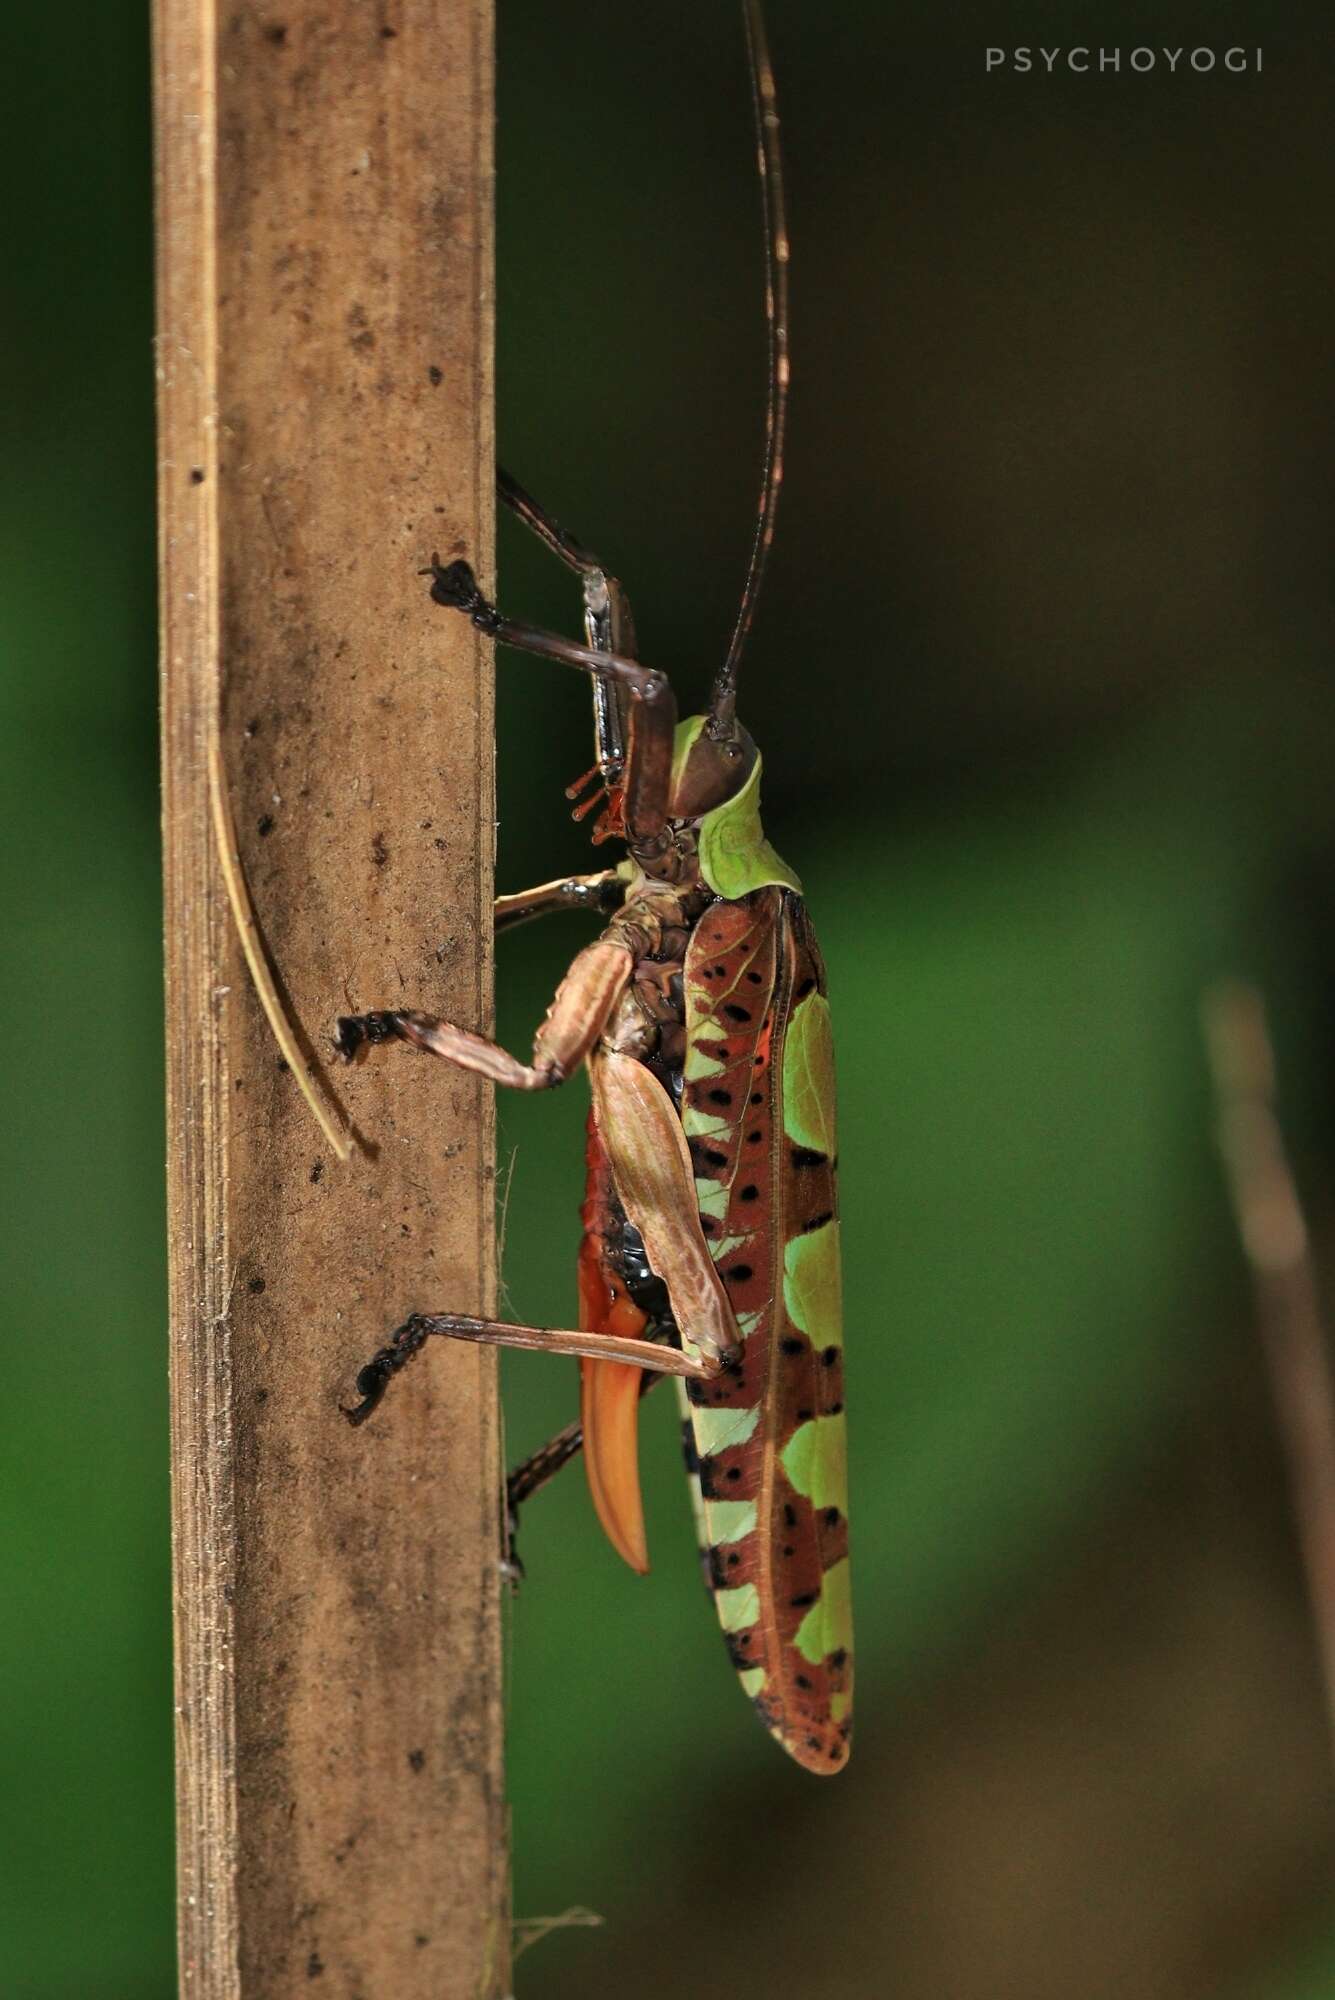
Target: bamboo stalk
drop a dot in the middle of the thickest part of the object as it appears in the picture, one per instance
(324, 360)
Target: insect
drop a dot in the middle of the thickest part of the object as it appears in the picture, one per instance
(710, 1247)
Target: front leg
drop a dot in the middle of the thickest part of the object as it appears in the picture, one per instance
(646, 707)
(575, 1019)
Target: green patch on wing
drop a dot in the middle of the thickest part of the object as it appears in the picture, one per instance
(721, 1429)
(828, 1626)
(741, 1607)
(730, 1520)
(815, 1459)
(735, 856)
(808, 1076)
(711, 1197)
(813, 1286)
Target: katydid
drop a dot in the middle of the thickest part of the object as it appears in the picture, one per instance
(711, 1239)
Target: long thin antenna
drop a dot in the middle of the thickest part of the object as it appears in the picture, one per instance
(723, 702)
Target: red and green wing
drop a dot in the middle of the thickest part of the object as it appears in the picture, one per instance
(766, 1441)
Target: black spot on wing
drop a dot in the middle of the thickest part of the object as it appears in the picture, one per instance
(718, 1576)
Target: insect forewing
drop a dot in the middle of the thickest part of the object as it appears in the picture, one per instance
(768, 1437)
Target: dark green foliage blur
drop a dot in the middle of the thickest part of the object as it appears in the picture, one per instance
(1042, 677)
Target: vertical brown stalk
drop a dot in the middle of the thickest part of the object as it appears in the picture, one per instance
(1277, 1246)
(324, 360)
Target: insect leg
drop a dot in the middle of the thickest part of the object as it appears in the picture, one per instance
(574, 1021)
(605, 600)
(532, 1474)
(608, 623)
(455, 586)
(603, 892)
(567, 548)
(541, 1466)
(409, 1339)
(655, 1179)
(646, 710)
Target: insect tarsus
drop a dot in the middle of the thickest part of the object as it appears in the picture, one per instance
(455, 585)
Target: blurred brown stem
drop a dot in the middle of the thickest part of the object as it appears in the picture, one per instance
(1277, 1246)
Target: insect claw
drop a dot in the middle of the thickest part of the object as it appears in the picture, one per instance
(359, 1031)
(351, 1037)
(371, 1384)
(455, 586)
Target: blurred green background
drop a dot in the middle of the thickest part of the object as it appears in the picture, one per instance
(1042, 678)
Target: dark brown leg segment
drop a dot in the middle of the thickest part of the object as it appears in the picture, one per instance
(540, 1467)
(533, 1473)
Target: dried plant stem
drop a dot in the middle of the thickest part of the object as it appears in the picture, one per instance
(1278, 1250)
(325, 420)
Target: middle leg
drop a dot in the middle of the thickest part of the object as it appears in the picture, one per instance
(575, 1020)
(603, 892)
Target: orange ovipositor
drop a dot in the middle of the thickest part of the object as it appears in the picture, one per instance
(609, 1390)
